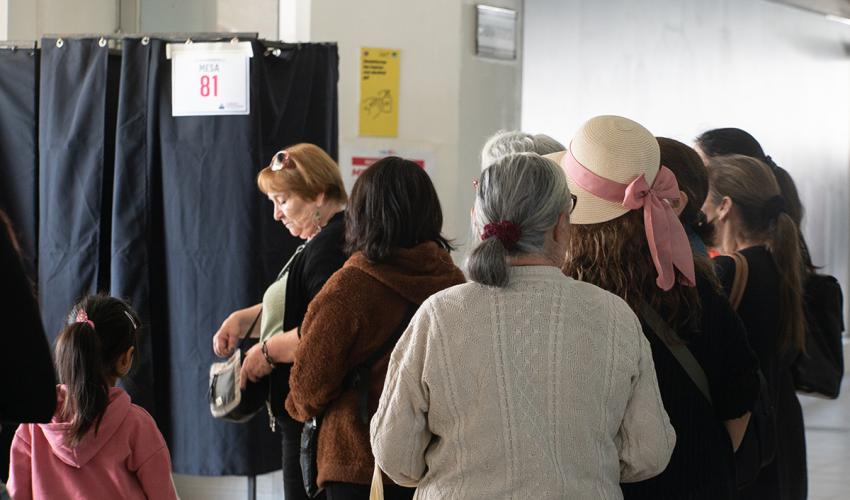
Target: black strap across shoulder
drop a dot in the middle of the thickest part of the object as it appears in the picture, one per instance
(360, 376)
(681, 352)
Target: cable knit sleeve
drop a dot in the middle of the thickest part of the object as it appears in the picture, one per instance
(399, 429)
(646, 438)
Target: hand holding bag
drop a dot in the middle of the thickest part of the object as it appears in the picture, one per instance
(227, 400)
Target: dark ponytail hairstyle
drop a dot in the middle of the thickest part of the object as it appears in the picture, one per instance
(86, 353)
(763, 212)
(734, 141)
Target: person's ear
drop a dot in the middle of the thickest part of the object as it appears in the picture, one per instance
(680, 204)
(125, 362)
(562, 228)
(724, 208)
(320, 200)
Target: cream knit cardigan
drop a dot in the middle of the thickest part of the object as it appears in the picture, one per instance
(543, 389)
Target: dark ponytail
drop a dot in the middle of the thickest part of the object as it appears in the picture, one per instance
(100, 329)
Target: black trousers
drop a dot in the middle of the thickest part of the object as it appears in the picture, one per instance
(348, 491)
(293, 484)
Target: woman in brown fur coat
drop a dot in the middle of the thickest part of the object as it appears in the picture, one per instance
(399, 258)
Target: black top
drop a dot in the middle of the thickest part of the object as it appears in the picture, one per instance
(322, 256)
(25, 354)
(702, 465)
(785, 478)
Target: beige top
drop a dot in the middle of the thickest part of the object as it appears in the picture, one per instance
(543, 389)
(274, 302)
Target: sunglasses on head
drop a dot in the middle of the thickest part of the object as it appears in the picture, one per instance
(281, 160)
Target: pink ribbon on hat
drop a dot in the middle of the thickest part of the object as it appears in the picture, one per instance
(668, 243)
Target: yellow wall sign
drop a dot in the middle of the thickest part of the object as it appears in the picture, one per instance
(379, 75)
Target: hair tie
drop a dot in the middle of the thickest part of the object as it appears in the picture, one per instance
(774, 207)
(505, 231)
(82, 317)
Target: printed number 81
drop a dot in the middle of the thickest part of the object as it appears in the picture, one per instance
(205, 86)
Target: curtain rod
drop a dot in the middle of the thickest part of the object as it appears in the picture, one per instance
(18, 44)
(175, 37)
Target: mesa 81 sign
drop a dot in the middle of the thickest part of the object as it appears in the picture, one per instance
(210, 78)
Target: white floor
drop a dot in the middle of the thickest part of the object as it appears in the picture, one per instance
(828, 446)
(827, 438)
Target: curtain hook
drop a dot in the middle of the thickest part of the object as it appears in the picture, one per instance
(102, 42)
(59, 43)
(146, 40)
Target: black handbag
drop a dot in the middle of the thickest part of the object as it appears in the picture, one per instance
(818, 371)
(226, 398)
(358, 378)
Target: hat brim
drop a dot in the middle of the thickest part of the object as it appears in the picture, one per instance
(589, 209)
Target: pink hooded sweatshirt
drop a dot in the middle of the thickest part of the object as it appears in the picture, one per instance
(126, 457)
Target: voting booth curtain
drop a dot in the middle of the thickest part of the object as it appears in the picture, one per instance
(163, 211)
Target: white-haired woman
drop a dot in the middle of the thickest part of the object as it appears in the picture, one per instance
(524, 383)
(505, 142)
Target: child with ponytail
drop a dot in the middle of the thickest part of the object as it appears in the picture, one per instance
(99, 444)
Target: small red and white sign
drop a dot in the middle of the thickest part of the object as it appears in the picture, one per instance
(354, 163)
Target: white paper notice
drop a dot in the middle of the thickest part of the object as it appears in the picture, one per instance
(210, 78)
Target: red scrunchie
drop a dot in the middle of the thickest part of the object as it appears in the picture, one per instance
(505, 231)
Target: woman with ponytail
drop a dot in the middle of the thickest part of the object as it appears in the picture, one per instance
(99, 444)
(734, 141)
(524, 383)
(751, 219)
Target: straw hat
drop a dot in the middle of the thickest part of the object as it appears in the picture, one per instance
(615, 148)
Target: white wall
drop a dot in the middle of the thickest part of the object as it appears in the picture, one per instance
(684, 66)
(31, 19)
(4, 19)
(449, 101)
(490, 100)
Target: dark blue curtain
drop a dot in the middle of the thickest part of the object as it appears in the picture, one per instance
(19, 147)
(19, 173)
(193, 239)
(78, 91)
(111, 193)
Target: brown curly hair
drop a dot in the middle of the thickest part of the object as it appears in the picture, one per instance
(614, 256)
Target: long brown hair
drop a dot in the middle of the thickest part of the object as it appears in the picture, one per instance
(615, 256)
(757, 199)
(86, 358)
